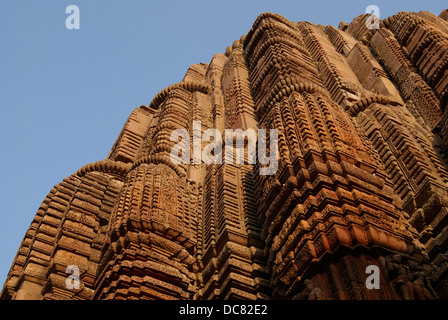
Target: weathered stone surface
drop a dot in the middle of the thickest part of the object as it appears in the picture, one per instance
(362, 177)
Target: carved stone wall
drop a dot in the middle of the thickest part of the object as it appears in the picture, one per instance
(362, 177)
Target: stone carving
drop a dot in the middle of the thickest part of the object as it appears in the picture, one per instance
(310, 292)
(409, 278)
(362, 177)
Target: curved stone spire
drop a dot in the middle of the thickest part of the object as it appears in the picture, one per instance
(361, 184)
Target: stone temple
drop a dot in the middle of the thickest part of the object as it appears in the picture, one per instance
(362, 179)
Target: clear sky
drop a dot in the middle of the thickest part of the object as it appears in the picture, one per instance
(65, 94)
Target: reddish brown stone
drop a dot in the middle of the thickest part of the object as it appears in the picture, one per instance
(362, 180)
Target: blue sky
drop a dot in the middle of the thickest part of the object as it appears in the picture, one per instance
(65, 94)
